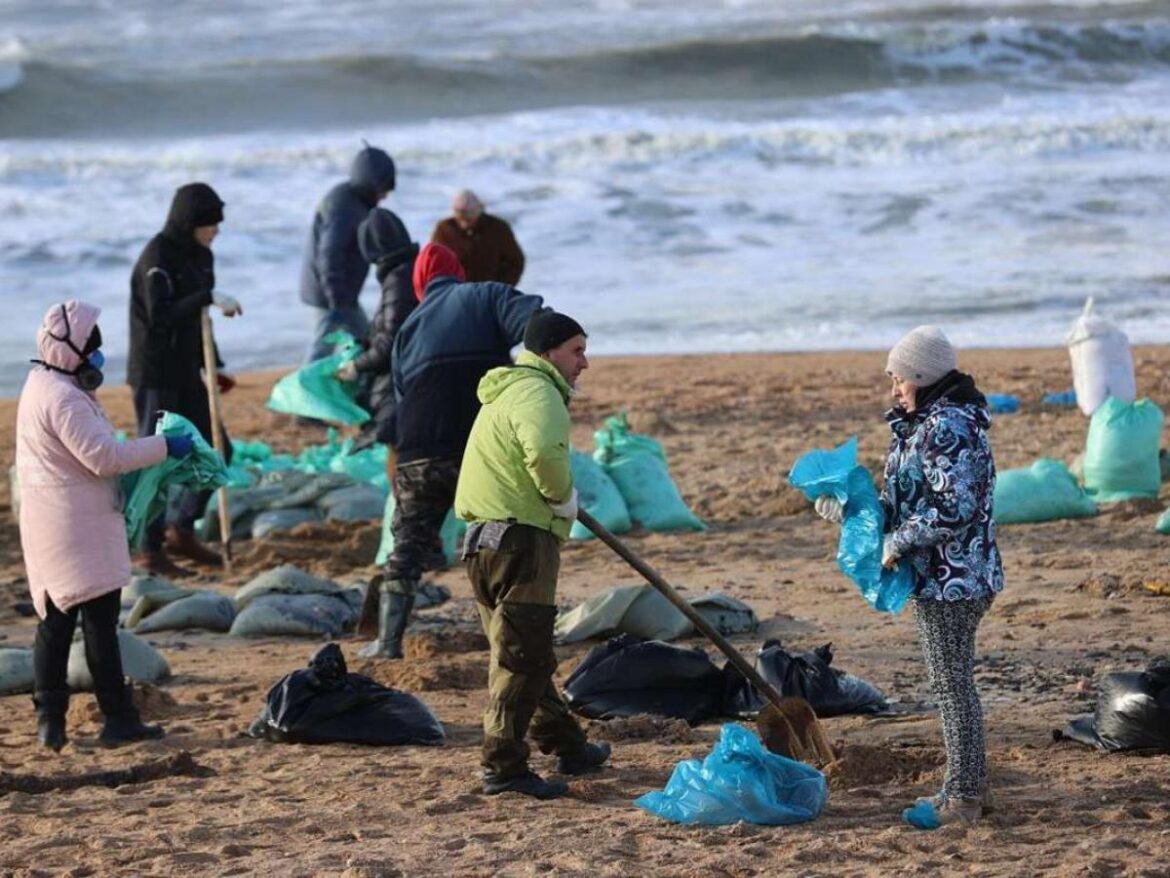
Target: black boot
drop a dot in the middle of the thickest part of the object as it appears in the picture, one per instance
(589, 758)
(123, 725)
(52, 705)
(528, 784)
(393, 617)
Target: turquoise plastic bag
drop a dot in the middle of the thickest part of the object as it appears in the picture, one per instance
(1121, 452)
(1044, 491)
(451, 533)
(597, 495)
(314, 391)
(637, 465)
(859, 552)
(146, 489)
(1163, 525)
(739, 780)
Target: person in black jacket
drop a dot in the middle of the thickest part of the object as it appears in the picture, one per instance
(386, 245)
(457, 333)
(334, 269)
(173, 280)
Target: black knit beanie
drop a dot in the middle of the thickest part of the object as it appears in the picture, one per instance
(547, 329)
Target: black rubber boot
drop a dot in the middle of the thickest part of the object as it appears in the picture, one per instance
(528, 784)
(52, 705)
(589, 758)
(123, 725)
(393, 617)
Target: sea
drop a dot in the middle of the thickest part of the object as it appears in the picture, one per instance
(684, 176)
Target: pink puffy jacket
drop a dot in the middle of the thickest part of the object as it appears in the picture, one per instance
(72, 531)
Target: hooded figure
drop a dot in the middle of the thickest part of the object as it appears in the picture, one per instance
(72, 530)
(434, 261)
(386, 245)
(172, 282)
(334, 268)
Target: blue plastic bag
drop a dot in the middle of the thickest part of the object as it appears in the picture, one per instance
(1065, 397)
(739, 780)
(598, 496)
(1003, 403)
(859, 552)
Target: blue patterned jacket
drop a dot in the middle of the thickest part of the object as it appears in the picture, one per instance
(940, 478)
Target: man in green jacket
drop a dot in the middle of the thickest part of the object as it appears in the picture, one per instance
(516, 493)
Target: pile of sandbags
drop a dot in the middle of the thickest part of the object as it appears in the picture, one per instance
(287, 601)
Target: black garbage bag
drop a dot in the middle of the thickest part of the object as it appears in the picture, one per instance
(324, 704)
(806, 675)
(627, 676)
(1133, 712)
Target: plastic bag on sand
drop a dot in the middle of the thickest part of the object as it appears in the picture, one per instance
(1102, 363)
(806, 675)
(1163, 525)
(1044, 491)
(324, 704)
(298, 615)
(140, 661)
(1133, 712)
(1121, 452)
(739, 780)
(597, 495)
(628, 676)
(146, 489)
(207, 610)
(643, 612)
(859, 551)
(637, 465)
(314, 391)
(1003, 403)
(451, 534)
(16, 671)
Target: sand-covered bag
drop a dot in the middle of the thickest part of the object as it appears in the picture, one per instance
(1044, 491)
(16, 671)
(140, 661)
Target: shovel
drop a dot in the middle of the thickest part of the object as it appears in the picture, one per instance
(787, 726)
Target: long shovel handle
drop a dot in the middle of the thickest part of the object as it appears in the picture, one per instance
(211, 374)
(733, 655)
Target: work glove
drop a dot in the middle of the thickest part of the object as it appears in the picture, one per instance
(889, 554)
(568, 509)
(227, 304)
(347, 371)
(830, 508)
(225, 381)
(179, 445)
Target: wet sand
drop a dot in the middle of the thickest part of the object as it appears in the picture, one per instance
(1075, 607)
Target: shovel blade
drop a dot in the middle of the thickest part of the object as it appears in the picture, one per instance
(791, 729)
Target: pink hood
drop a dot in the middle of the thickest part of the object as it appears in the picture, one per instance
(83, 317)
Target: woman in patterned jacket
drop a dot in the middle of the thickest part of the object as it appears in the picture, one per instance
(937, 499)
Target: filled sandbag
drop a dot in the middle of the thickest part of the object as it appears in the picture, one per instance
(599, 496)
(1133, 712)
(207, 610)
(636, 610)
(739, 780)
(451, 534)
(726, 614)
(628, 676)
(361, 502)
(275, 520)
(325, 704)
(285, 579)
(16, 671)
(1102, 363)
(298, 488)
(297, 615)
(1044, 491)
(145, 584)
(140, 662)
(315, 391)
(637, 465)
(1121, 452)
(1163, 524)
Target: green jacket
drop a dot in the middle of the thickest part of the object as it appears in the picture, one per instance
(517, 457)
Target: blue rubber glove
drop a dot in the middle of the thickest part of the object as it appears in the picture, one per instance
(179, 445)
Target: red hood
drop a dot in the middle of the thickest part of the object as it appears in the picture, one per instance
(435, 260)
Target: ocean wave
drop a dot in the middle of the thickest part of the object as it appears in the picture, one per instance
(48, 99)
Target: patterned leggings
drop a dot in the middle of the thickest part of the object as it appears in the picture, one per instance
(947, 632)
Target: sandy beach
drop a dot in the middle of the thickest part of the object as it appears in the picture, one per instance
(1075, 607)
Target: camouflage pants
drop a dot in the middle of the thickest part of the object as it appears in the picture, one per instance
(423, 492)
(515, 591)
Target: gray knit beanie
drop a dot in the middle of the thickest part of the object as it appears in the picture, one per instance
(923, 356)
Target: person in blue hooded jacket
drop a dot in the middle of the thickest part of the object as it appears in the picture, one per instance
(458, 332)
(334, 269)
(937, 500)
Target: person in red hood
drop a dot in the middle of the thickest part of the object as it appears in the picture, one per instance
(456, 334)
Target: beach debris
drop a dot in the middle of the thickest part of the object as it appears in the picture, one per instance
(1003, 403)
(1133, 712)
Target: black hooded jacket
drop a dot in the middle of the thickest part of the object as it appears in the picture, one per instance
(386, 244)
(171, 282)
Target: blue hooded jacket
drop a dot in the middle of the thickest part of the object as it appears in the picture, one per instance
(334, 270)
(448, 343)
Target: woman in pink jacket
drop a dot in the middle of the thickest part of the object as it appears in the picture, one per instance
(72, 531)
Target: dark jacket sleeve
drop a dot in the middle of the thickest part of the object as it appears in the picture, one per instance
(513, 308)
(339, 261)
(164, 307)
(511, 256)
